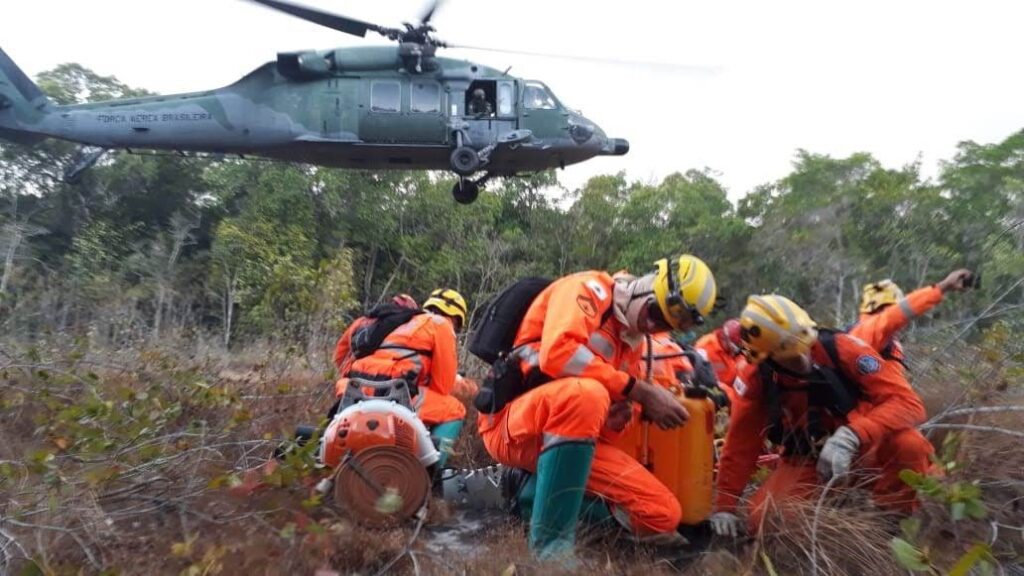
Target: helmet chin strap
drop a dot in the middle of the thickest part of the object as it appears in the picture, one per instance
(630, 297)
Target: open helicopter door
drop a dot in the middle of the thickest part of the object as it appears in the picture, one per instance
(485, 124)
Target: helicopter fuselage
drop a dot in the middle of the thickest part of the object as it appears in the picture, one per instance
(366, 108)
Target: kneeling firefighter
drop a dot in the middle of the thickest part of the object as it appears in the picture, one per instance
(417, 346)
(546, 401)
(832, 404)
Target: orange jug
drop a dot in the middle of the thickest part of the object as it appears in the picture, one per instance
(683, 458)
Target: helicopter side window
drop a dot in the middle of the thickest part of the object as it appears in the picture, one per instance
(385, 96)
(537, 97)
(425, 97)
(505, 98)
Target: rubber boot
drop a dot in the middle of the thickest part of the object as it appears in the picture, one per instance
(562, 473)
(596, 512)
(593, 511)
(444, 436)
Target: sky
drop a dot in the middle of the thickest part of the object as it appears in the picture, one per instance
(905, 80)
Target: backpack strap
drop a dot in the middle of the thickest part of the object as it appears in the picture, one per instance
(412, 351)
(843, 390)
(772, 397)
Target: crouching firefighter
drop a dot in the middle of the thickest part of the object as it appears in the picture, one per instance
(832, 404)
(417, 347)
(545, 404)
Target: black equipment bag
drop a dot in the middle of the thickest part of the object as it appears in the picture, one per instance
(495, 331)
(384, 319)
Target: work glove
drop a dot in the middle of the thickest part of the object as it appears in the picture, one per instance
(725, 524)
(703, 374)
(705, 378)
(619, 415)
(838, 453)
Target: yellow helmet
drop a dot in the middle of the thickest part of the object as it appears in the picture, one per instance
(689, 287)
(448, 302)
(772, 326)
(879, 294)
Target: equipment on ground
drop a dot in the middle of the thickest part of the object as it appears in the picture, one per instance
(375, 108)
(380, 452)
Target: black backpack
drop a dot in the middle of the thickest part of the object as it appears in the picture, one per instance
(496, 328)
(831, 390)
(384, 319)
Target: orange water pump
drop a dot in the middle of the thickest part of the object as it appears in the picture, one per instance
(380, 451)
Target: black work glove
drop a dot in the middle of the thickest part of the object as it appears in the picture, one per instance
(704, 377)
(703, 374)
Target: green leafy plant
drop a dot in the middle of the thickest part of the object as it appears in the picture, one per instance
(962, 500)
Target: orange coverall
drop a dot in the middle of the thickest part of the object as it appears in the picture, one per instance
(726, 365)
(880, 329)
(884, 421)
(570, 333)
(433, 373)
(666, 370)
(342, 350)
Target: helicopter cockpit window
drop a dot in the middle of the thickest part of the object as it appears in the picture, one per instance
(385, 96)
(425, 97)
(537, 97)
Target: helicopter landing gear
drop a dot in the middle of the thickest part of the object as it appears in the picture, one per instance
(466, 191)
(465, 161)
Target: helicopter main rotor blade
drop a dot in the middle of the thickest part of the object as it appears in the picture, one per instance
(685, 68)
(429, 12)
(332, 21)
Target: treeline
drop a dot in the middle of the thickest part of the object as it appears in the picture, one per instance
(149, 248)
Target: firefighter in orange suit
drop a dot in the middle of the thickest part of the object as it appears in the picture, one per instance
(580, 339)
(423, 351)
(829, 400)
(722, 349)
(342, 350)
(885, 311)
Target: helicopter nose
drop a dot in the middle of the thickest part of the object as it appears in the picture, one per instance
(615, 147)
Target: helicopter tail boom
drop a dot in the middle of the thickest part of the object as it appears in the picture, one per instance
(22, 103)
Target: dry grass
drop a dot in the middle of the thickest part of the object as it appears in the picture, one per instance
(845, 534)
(132, 483)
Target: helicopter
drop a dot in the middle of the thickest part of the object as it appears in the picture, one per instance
(375, 107)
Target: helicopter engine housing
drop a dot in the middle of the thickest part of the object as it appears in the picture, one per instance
(308, 65)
